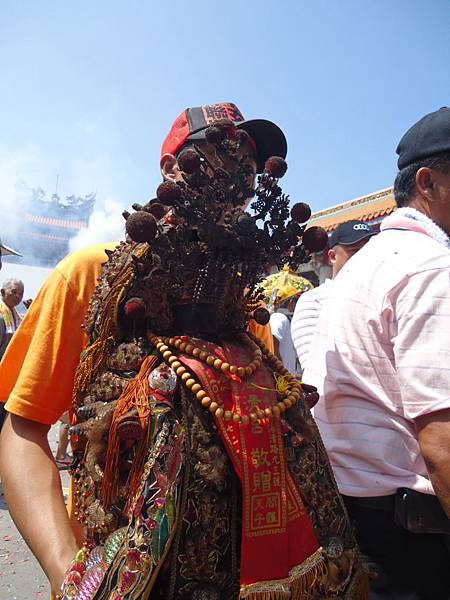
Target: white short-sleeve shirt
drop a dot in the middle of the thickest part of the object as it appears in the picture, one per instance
(281, 330)
(380, 358)
(305, 319)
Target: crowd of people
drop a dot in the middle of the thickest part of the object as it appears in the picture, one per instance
(198, 469)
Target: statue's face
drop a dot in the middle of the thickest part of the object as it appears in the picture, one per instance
(171, 170)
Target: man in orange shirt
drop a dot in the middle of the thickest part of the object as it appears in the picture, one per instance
(37, 377)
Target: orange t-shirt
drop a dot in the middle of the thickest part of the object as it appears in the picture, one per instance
(38, 369)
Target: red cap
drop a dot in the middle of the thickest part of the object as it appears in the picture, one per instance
(191, 124)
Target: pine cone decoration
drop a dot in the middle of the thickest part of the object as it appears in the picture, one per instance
(168, 193)
(141, 227)
(275, 166)
(189, 161)
(315, 239)
(134, 308)
(261, 316)
(300, 212)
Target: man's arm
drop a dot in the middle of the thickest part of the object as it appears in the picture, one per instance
(37, 376)
(32, 487)
(278, 327)
(434, 440)
(276, 347)
(304, 324)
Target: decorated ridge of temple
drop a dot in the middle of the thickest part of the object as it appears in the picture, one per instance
(371, 208)
(46, 224)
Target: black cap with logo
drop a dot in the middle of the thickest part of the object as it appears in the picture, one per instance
(350, 232)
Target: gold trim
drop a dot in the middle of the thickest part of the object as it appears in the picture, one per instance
(296, 586)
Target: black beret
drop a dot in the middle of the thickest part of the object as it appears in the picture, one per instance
(429, 136)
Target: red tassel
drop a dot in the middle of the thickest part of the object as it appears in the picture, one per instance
(135, 396)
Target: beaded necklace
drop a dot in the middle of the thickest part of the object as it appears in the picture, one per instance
(287, 385)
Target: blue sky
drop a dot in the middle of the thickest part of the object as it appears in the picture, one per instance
(89, 89)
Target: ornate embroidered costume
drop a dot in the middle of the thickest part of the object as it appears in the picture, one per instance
(200, 472)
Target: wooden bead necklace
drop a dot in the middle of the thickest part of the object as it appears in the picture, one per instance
(292, 388)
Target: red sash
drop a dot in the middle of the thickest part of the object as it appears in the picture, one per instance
(277, 534)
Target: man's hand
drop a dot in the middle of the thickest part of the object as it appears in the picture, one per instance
(434, 441)
(32, 487)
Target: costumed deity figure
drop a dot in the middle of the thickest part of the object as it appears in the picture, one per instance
(199, 471)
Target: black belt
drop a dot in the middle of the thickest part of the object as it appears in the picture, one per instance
(386, 503)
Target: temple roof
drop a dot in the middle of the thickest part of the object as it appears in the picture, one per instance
(53, 222)
(366, 208)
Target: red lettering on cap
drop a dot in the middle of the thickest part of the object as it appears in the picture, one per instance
(216, 112)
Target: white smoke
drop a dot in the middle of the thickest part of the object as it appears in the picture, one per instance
(105, 225)
(33, 174)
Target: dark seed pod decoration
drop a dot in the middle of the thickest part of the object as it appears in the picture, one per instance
(168, 193)
(141, 227)
(275, 166)
(242, 136)
(300, 212)
(134, 308)
(189, 161)
(157, 210)
(314, 239)
(215, 135)
(227, 126)
(246, 224)
(261, 316)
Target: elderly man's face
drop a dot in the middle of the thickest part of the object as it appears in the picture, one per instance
(440, 208)
(12, 295)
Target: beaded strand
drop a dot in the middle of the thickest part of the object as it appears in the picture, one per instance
(260, 352)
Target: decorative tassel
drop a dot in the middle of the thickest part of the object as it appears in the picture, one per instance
(362, 590)
(306, 577)
(267, 590)
(91, 361)
(301, 584)
(268, 595)
(135, 396)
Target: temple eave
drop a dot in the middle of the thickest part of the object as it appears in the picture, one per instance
(366, 208)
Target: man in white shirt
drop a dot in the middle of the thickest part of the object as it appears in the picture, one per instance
(381, 362)
(280, 325)
(345, 241)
